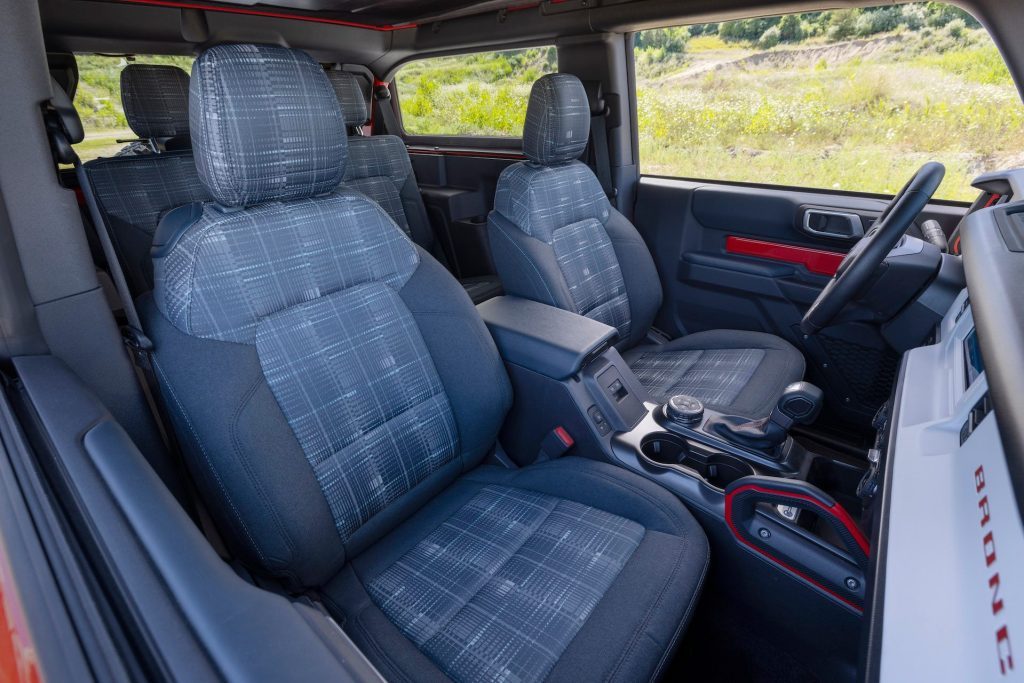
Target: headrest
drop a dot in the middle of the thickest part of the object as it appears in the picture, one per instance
(557, 120)
(155, 100)
(350, 97)
(66, 112)
(265, 125)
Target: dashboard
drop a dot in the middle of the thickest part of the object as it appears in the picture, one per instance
(949, 599)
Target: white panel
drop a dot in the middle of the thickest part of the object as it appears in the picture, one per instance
(942, 620)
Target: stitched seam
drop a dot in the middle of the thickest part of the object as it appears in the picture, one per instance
(244, 462)
(212, 469)
(686, 619)
(647, 616)
(381, 653)
(504, 234)
(621, 484)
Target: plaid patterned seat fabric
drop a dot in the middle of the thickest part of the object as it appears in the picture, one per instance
(557, 240)
(305, 284)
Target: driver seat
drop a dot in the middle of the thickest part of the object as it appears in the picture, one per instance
(556, 239)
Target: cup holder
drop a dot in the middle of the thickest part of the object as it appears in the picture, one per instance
(717, 469)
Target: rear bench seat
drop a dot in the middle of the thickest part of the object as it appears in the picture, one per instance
(380, 168)
(134, 190)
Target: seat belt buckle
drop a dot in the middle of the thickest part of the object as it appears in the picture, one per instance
(136, 340)
(556, 444)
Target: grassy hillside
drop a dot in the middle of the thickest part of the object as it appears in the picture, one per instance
(859, 114)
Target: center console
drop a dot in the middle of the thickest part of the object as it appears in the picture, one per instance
(759, 493)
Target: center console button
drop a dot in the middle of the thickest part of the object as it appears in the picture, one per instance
(684, 410)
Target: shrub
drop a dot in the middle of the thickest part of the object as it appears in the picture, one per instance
(791, 29)
(842, 24)
(956, 29)
(770, 38)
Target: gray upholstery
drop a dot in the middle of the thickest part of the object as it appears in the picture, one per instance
(350, 95)
(557, 120)
(335, 392)
(282, 137)
(510, 564)
(733, 371)
(155, 100)
(133, 193)
(556, 239)
(380, 168)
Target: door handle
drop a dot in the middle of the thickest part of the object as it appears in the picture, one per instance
(834, 224)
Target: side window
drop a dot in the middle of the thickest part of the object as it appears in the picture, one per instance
(852, 100)
(480, 94)
(98, 101)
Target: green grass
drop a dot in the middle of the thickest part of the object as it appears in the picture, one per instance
(860, 125)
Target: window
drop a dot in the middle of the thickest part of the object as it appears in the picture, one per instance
(476, 94)
(98, 101)
(849, 100)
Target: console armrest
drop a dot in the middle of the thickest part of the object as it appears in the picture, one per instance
(543, 338)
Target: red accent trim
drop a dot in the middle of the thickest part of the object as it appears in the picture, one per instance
(468, 153)
(836, 509)
(18, 659)
(815, 260)
(179, 4)
(956, 246)
(992, 200)
(564, 437)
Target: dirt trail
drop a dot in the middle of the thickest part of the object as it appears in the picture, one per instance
(833, 53)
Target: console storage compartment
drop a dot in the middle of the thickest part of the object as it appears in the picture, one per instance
(542, 338)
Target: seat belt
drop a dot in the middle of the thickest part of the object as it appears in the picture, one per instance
(599, 157)
(138, 344)
(382, 97)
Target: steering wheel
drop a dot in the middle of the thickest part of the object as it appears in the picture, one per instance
(860, 264)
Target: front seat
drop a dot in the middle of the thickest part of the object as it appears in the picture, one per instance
(335, 393)
(556, 239)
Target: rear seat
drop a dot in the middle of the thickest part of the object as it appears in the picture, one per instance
(379, 167)
(133, 191)
(155, 101)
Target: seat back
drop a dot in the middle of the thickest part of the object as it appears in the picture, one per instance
(132, 193)
(327, 377)
(379, 165)
(554, 235)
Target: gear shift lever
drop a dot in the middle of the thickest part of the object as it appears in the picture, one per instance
(800, 403)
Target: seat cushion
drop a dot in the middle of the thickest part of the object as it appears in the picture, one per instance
(734, 372)
(568, 570)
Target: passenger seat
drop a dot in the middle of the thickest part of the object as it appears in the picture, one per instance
(335, 393)
(380, 168)
(133, 191)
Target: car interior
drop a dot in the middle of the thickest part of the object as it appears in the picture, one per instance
(293, 390)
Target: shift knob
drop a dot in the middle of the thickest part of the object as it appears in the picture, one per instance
(684, 410)
(800, 403)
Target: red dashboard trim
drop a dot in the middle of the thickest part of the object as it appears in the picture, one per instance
(816, 261)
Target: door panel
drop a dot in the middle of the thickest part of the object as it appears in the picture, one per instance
(738, 257)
